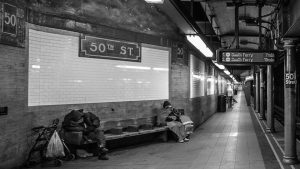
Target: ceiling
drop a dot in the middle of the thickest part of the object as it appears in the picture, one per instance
(223, 20)
(216, 20)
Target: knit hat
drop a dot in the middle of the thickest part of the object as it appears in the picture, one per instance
(76, 115)
(166, 104)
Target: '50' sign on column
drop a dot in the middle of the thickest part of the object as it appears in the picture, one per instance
(290, 79)
(9, 19)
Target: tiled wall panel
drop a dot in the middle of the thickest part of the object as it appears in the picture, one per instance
(58, 76)
(197, 77)
(210, 85)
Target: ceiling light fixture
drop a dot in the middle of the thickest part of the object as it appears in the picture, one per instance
(222, 67)
(155, 1)
(200, 45)
(227, 72)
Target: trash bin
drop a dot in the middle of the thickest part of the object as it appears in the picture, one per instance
(221, 103)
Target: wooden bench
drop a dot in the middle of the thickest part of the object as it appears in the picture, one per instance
(120, 129)
(163, 130)
(125, 128)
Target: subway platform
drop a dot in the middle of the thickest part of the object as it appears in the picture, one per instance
(231, 140)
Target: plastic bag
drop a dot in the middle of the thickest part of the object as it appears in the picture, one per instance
(186, 120)
(188, 124)
(55, 147)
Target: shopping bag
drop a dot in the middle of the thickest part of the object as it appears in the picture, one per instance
(55, 147)
(188, 124)
(185, 120)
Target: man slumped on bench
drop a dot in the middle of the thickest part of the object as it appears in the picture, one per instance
(87, 123)
(180, 125)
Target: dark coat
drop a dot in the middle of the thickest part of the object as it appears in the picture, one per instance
(92, 121)
(173, 116)
(76, 120)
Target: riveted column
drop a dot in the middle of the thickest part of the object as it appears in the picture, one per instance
(270, 100)
(261, 94)
(236, 21)
(257, 92)
(290, 153)
(254, 88)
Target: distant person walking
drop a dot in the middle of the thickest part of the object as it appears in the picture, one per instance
(229, 96)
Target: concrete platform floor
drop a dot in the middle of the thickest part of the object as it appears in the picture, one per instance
(225, 141)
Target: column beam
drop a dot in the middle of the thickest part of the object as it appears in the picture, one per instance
(270, 100)
(257, 86)
(262, 94)
(290, 152)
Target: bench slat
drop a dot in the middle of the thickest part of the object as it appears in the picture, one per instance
(141, 132)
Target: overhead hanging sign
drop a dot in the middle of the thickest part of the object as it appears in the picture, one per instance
(101, 48)
(236, 56)
(12, 25)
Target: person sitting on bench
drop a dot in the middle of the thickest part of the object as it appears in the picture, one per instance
(87, 123)
(174, 122)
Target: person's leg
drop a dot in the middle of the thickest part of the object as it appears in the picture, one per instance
(230, 101)
(102, 145)
(188, 130)
(101, 138)
(182, 131)
(98, 136)
(176, 128)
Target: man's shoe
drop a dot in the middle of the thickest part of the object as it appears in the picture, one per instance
(180, 141)
(104, 150)
(186, 139)
(103, 157)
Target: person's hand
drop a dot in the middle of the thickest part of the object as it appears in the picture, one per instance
(173, 117)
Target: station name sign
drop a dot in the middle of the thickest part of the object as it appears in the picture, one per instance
(236, 56)
(101, 48)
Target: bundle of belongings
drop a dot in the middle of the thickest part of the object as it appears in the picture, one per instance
(181, 125)
(81, 130)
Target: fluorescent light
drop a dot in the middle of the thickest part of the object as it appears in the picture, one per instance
(155, 1)
(198, 77)
(160, 69)
(133, 67)
(235, 134)
(125, 79)
(227, 72)
(249, 78)
(219, 66)
(200, 45)
(210, 79)
(36, 66)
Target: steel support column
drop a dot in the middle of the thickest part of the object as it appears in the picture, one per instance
(254, 89)
(192, 8)
(259, 25)
(236, 14)
(261, 94)
(257, 91)
(270, 101)
(290, 153)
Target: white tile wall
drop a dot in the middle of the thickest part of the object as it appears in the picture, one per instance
(220, 84)
(197, 77)
(210, 85)
(58, 76)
